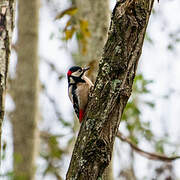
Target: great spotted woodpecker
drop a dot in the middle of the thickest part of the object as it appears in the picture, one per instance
(78, 89)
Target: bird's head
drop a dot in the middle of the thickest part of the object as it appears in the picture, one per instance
(75, 74)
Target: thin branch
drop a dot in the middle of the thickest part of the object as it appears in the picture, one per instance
(153, 156)
(55, 107)
(47, 135)
(53, 67)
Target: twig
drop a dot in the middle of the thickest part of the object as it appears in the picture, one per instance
(53, 67)
(55, 107)
(153, 156)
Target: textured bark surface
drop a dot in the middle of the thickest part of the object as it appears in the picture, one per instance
(25, 91)
(6, 28)
(117, 68)
(97, 14)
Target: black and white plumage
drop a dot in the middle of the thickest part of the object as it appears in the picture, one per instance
(78, 89)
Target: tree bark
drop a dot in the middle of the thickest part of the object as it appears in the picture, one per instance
(117, 68)
(6, 28)
(25, 91)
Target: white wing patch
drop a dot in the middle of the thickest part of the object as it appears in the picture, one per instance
(70, 93)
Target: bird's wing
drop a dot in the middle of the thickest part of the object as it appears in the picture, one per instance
(75, 102)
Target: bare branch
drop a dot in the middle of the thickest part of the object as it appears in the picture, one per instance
(153, 156)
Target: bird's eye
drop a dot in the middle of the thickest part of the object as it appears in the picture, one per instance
(80, 70)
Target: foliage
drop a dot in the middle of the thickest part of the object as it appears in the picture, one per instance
(76, 26)
(132, 112)
(174, 38)
(51, 153)
(138, 129)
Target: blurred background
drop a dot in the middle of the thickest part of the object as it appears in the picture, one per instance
(40, 129)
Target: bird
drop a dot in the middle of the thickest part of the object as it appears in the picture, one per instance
(78, 89)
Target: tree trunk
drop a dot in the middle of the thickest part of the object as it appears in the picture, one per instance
(117, 68)
(25, 91)
(97, 14)
(6, 28)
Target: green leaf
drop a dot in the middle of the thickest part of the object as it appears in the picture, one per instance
(51, 36)
(148, 134)
(159, 147)
(170, 47)
(151, 104)
(148, 38)
(134, 139)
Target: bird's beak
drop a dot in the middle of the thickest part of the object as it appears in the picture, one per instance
(85, 69)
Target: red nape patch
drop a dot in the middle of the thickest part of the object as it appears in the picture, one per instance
(69, 73)
(81, 114)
